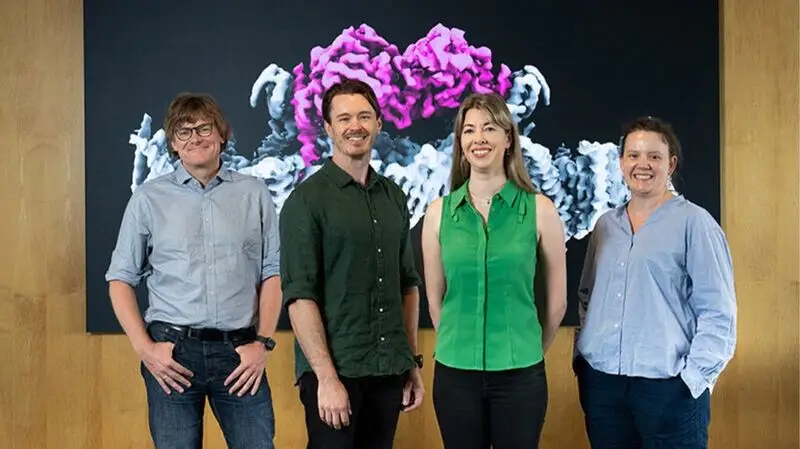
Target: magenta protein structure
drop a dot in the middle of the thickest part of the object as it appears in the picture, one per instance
(431, 75)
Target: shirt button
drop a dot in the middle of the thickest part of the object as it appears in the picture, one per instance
(380, 310)
(619, 295)
(379, 250)
(383, 339)
(622, 264)
(616, 326)
(380, 279)
(374, 221)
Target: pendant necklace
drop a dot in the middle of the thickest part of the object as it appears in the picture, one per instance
(487, 200)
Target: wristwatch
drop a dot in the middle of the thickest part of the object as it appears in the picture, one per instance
(418, 359)
(268, 342)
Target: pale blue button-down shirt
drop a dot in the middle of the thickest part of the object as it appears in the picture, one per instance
(202, 251)
(659, 303)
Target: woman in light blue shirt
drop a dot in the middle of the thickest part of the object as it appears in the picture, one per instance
(657, 307)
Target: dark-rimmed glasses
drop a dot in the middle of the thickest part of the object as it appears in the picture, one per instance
(203, 130)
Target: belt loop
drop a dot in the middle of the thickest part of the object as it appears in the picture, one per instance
(177, 332)
(178, 337)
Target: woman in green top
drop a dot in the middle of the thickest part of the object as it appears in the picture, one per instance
(482, 244)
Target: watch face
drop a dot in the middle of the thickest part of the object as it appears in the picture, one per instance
(268, 342)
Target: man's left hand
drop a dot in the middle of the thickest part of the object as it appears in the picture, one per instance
(249, 373)
(413, 391)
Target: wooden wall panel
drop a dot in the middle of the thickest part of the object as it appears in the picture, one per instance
(757, 403)
(62, 388)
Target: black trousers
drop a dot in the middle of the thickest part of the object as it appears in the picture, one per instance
(375, 402)
(497, 409)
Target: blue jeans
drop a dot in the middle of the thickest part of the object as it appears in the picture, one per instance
(624, 412)
(176, 420)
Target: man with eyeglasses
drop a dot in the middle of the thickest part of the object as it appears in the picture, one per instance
(205, 239)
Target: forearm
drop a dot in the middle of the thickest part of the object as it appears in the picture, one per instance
(551, 301)
(435, 296)
(269, 306)
(551, 294)
(126, 309)
(552, 323)
(411, 313)
(435, 311)
(310, 334)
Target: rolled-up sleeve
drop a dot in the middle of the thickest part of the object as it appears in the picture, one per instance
(129, 259)
(300, 253)
(713, 300)
(409, 276)
(271, 249)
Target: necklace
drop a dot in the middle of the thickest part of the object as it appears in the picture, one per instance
(486, 200)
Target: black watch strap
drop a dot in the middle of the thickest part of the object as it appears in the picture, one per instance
(268, 342)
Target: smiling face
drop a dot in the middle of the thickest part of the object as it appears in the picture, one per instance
(646, 163)
(197, 130)
(354, 125)
(198, 143)
(483, 142)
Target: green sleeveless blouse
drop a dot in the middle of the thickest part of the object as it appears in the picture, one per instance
(489, 319)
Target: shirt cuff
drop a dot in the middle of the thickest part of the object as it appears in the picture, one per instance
(410, 282)
(694, 380)
(131, 280)
(293, 293)
(269, 272)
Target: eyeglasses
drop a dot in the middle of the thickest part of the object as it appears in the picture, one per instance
(203, 130)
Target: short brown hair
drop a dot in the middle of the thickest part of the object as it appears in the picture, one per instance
(191, 107)
(348, 87)
(496, 108)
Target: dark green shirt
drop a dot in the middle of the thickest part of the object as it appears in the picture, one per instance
(348, 248)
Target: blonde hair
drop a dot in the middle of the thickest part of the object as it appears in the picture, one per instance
(495, 106)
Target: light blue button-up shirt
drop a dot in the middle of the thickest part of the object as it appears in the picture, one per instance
(659, 303)
(202, 251)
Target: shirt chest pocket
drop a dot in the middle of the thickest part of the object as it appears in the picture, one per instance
(236, 240)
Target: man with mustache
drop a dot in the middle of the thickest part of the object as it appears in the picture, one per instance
(205, 238)
(350, 285)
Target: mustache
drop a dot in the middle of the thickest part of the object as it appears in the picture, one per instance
(356, 133)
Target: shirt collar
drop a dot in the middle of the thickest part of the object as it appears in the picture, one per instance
(341, 178)
(183, 176)
(508, 194)
(621, 211)
(224, 173)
